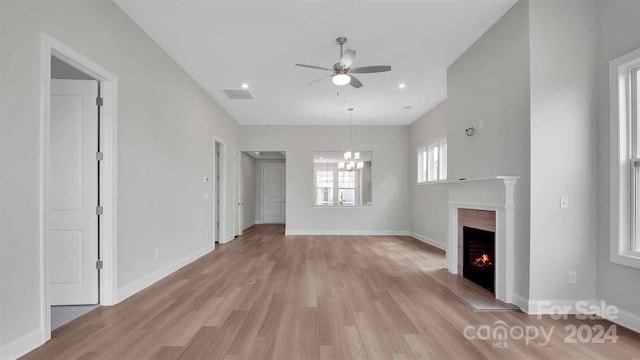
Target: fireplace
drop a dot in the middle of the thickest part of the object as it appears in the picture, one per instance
(497, 196)
(478, 260)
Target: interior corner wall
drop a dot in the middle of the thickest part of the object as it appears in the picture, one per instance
(429, 214)
(166, 125)
(563, 148)
(389, 213)
(617, 32)
(490, 82)
(248, 190)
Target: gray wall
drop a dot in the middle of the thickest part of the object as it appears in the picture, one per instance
(618, 29)
(165, 147)
(390, 170)
(248, 190)
(490, 82)
(563, 148)
(428, 202)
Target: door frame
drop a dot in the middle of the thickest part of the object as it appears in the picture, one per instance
(108, 171)
(238, 201)
(223, 191)
(262, 191)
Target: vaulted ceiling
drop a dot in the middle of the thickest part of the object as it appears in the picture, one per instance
(223, 44)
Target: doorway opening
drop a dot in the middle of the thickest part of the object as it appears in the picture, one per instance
(77, 204)
(263, 187)
(74, 182)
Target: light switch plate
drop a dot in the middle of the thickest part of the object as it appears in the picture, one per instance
(564, 201)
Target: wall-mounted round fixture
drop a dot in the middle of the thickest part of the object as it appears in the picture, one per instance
(341, 79)
(470, 131)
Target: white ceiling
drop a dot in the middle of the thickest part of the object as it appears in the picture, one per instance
(223, 44)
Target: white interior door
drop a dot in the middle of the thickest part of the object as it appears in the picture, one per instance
(73, 187)
(273, 193)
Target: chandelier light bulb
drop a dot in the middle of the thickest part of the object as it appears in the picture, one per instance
(341, 165)
(347, 155)
(356, 155)
(360, 165)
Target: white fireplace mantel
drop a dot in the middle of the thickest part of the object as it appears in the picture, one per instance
(492, 194)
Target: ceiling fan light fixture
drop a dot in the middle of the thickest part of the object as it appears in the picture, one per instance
(341, 79)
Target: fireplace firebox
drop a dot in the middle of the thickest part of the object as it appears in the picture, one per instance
(479, 257)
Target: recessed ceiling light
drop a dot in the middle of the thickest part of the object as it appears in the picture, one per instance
(402, 86)
(245, 85)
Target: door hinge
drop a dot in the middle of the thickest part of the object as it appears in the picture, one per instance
(99, 264)
(99, 101)
(99, 156)
(99, 210)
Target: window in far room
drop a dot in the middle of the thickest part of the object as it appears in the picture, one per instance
(340, 182)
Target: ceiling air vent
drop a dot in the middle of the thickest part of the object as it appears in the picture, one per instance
(238, 94)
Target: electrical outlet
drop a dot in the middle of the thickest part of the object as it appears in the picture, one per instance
(572, 277)
(480, 124)
(156, 254)
(205, 196)
(564, 201)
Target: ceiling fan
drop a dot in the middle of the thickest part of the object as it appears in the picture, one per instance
(342, 73)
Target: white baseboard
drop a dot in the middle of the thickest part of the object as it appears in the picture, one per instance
(248, 225)
(228, 239)
(520, 302)
(21, 345)
(258, 222)
(432, 242)
(627, 319)
(160, 274)
(623, 317)
(348, 232)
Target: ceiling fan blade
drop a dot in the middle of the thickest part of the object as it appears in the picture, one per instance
(355, 82)
(314, 67)
(371, 69)
(347, 58)
(322, 78)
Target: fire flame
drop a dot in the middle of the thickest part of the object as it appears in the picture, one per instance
(483, 261)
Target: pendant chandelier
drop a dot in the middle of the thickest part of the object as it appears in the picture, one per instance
(350, 157)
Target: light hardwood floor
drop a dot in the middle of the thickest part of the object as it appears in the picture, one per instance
(265, 295)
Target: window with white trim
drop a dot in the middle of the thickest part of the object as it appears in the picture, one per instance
(432, 162)
(422, 165)
(634, 159)
(324, 186)
(625, 159)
